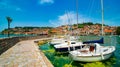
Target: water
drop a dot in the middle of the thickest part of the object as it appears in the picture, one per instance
(62, 60)
(13, 35)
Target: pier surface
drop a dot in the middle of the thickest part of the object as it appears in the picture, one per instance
(24, 54)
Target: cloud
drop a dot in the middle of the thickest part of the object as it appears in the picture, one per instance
(18, 9)
(6, 5)
(69, 18)
(46, 1)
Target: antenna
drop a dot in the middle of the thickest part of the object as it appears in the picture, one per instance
(102, 17)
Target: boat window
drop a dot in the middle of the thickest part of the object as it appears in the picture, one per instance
(83, 46)
(72, 42)
(65, 41)
(105, 50)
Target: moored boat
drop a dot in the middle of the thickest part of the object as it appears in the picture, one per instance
(93, 50)
(92, 53)
(68, 46)
(59, 40)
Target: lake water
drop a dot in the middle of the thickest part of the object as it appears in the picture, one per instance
(62, 60)
(13, 35)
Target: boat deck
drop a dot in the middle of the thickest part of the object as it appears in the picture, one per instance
(87, 52)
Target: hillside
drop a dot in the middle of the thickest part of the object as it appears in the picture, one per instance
(80, 29)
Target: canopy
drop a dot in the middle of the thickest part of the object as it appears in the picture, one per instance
(101, 41)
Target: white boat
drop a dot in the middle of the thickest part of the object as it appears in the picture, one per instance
(68, 46)
(59, 40)
(88, 54)
(93, 51)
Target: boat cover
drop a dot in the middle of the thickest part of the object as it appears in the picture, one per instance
(101, 41)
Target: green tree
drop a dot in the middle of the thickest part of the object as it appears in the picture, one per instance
(80, 25)
(9, 19)
(118, 30)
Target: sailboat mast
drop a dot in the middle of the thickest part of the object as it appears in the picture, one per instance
(77, 12)
(68, 26)
(68, 20)
(102, 16)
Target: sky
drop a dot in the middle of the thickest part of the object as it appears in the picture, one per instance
(57, 12)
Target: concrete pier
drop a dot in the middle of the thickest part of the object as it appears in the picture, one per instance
(24, 54)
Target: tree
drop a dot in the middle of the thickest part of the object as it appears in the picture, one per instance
(9, 19)
(118, 30)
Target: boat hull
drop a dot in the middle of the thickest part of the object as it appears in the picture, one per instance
(66, 49)
(90, 58)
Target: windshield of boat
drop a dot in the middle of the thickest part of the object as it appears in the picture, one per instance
(72, 42)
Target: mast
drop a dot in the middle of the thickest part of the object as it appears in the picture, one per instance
(68, 26)
(77, 13)
(68, 20)
(102, 9)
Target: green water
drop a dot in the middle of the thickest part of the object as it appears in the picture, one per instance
(62, 60)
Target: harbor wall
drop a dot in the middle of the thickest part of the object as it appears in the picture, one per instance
(7, 43)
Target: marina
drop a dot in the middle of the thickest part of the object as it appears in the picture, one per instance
(59, 33)
(57, 58)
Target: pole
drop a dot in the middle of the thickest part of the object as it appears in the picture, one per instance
(102, 17)
(77, 11)
(77, 14)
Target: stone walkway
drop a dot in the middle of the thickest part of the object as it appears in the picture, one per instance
(24, 54)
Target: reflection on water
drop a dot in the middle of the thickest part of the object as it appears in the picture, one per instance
(62, 60)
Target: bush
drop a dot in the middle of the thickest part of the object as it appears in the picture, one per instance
(118, 30)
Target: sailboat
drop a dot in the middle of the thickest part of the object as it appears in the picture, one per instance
(70, 44)
(57, 40)
(61, 39)
(64, 40)
(93, 51)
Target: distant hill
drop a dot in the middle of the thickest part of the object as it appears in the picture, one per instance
(86, 28)
(87, 23)
(22, 30)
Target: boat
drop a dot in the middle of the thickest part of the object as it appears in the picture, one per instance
(67, 37)
(59, 40)
(101, 41)
(93, 51)
(68, 46)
